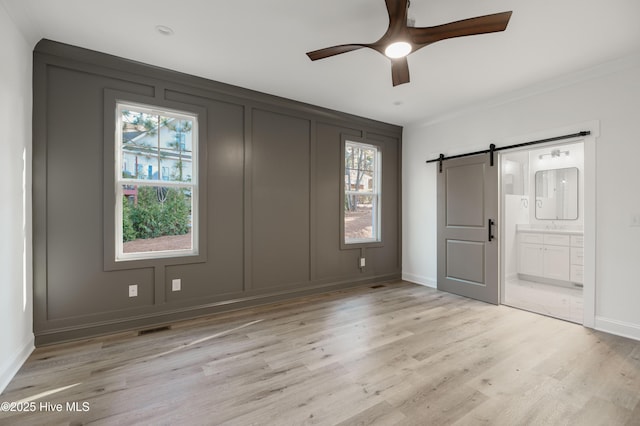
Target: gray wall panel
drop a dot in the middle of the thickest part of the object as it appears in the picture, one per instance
(272, 193)
(88, 293)
(280, 203)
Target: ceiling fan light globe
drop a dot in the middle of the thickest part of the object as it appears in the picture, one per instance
(399, 49)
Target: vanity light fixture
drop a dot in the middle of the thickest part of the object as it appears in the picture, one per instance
(556, 153)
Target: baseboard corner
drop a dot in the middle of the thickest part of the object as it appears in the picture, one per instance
(420, 280)
(619, 328)
(9, 369)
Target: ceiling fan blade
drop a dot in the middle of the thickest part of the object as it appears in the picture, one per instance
(334, 50)
(472, 26)
(397, 10)
(399, 71)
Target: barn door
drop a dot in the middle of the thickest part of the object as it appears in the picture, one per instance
(467, 228)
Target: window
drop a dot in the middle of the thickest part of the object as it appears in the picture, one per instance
(362, 170)
(156, 183)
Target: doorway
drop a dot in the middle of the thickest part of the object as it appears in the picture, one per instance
(542, 210)
(573, 134)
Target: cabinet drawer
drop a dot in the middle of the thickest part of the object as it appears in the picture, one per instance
(530, 238)
(577, 256)
(557, 240)
(577, 241)
(577, 274)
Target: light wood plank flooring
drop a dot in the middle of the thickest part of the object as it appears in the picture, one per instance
(547, 299)
(400, 354)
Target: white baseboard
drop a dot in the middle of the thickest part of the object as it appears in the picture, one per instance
(619, 328)
(512, 277)
(9, 369)
(419, 279)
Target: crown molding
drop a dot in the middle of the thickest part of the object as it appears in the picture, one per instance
(549, 85)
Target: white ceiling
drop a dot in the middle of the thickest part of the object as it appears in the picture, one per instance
(261, 45)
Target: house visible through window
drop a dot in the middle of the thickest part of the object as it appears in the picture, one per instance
(156, 183)
(361, 193)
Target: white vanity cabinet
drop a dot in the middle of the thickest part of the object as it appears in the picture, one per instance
(577, 256)
(530, 254)
(550, 255)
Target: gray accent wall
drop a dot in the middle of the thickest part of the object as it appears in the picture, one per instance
(270, 199)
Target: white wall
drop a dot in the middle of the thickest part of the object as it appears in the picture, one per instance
(609, 93)
(515, 207)
(515, 212)
(16, 324)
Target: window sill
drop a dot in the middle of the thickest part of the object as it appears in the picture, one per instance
(356, 245)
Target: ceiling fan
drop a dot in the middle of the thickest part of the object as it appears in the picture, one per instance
(401, 39)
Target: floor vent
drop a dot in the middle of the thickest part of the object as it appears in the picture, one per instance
(378, 286)
(153, 330)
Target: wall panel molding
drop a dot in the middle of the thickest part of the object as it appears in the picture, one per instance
(271, 192)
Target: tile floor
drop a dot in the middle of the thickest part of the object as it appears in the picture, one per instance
(551, 300)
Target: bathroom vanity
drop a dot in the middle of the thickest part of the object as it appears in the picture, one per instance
(551, 253)
(555, 255)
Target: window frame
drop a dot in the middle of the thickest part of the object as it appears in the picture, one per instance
(112, 98)
(120, 181)
(377, 241)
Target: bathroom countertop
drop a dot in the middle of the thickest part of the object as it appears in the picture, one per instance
(541, 230)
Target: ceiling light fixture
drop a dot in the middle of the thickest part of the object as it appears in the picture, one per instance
(164, 30)
(399, 49)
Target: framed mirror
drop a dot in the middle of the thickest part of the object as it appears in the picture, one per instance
(557, 194)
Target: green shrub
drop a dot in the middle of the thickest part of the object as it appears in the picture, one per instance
(128, 233)
(174, 216)
(160, 212)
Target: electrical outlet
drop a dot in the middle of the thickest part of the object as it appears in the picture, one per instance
(176, 284)
(635, 219)
(133, 290)
(362, 262)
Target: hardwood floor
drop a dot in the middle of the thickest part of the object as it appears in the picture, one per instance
(552, 300)
(399, 354)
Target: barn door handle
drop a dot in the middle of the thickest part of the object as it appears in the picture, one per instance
(491, 223)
